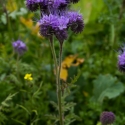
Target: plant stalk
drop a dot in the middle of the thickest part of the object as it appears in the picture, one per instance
(57, 72)
(59, 86)
(54, 58)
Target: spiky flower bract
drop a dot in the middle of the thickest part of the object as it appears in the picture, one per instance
(19, 47)
(107, 118)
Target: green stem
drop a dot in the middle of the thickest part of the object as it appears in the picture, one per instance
(8, 20)
(17, 67)
(58, 86)
(112, 34)
(54, 58)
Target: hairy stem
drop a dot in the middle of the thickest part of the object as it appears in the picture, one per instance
(112, 34)
(122, 9)
(17, 66)
(54, 58)
(57, 72)
(59, 86)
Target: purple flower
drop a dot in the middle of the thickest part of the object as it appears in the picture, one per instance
(49, 19)
(61, 30)
(107, 118)
(33, 5)
(54, 25)
(63, 22)
(60, 4)
(61, 35)
(55, 18)
(19, 47)
(121, 59)
(48, 23)
(75, 22)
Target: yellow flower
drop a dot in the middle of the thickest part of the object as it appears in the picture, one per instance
(28, 77)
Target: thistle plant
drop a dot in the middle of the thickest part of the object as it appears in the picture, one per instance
(121, 59)
(107, 118)
(55, 20)
(19, 47)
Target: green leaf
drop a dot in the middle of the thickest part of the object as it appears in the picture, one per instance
(106, 86)
(24, 109)
(52, 117)
(71, 117)
(38, 92)
(20, 123)
(13, 15)
(89, 9)
(3, 19)
(68, 106)
(54, 104)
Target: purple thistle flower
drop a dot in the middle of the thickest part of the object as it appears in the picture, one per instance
(60, 4)
(48, 23)
(107, 118)
(33, 5)
(61, 30)
(63, 22)
(19, 47)
(55, 18)
(121, 60)
(74, 16)
(61, 35)
(44, 7)
(76, 22)
(54, 25)
(50, 2)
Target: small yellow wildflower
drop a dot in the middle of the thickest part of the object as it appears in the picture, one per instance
(28, 77)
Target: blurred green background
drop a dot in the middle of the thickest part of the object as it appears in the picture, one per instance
(92, 55)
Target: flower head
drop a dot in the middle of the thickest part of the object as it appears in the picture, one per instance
(75, 21)
(28, 77)
(48, 23)
(107, 118)
(19, 47)
(60, 4)
(56, 19)
(63, 22)
(61, 35)
(61, 29)
(33, 5)
(121, 60)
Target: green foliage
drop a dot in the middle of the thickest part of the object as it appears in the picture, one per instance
(106, 86)
(93, 86)
(67, 107)
(5, 107)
